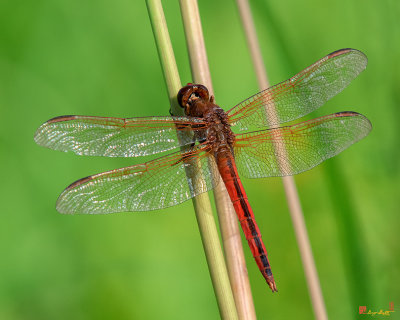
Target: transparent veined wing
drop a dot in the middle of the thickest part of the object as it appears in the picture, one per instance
(116, 137)
(157, 184)
(301, 94)
(293, 149)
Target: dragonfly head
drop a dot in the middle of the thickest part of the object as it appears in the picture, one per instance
(190, 95)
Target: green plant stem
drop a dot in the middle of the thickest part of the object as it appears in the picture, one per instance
(201, 203)
(230, 232)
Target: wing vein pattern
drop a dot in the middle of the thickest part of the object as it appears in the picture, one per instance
(301, 94)
(293, 149)
(157, 184)
(116, 137)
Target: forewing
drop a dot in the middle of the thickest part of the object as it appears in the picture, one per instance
(157, 184)
(116, 137)
(301, 94)
(294, 149)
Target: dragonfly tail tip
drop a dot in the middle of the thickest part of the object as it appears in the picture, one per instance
(272, 285)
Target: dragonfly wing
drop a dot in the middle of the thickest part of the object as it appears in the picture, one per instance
(161, 183)
(294, 149)
(116, 137)
(301, 94)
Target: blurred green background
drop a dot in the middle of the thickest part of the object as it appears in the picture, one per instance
(62, 57)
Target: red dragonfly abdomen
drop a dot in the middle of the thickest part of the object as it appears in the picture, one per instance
(228, 171)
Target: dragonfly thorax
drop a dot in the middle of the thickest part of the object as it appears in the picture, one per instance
(196, 101)
(219, 133)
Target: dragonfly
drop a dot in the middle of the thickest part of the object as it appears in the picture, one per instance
(210, 145)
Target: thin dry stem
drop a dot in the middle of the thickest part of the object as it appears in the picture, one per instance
(201, 203)
(288, 182)
(227, 217)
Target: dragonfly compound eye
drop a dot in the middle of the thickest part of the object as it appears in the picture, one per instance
(201, 91)
(192, 92)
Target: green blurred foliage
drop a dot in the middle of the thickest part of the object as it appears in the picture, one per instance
(62, 57)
